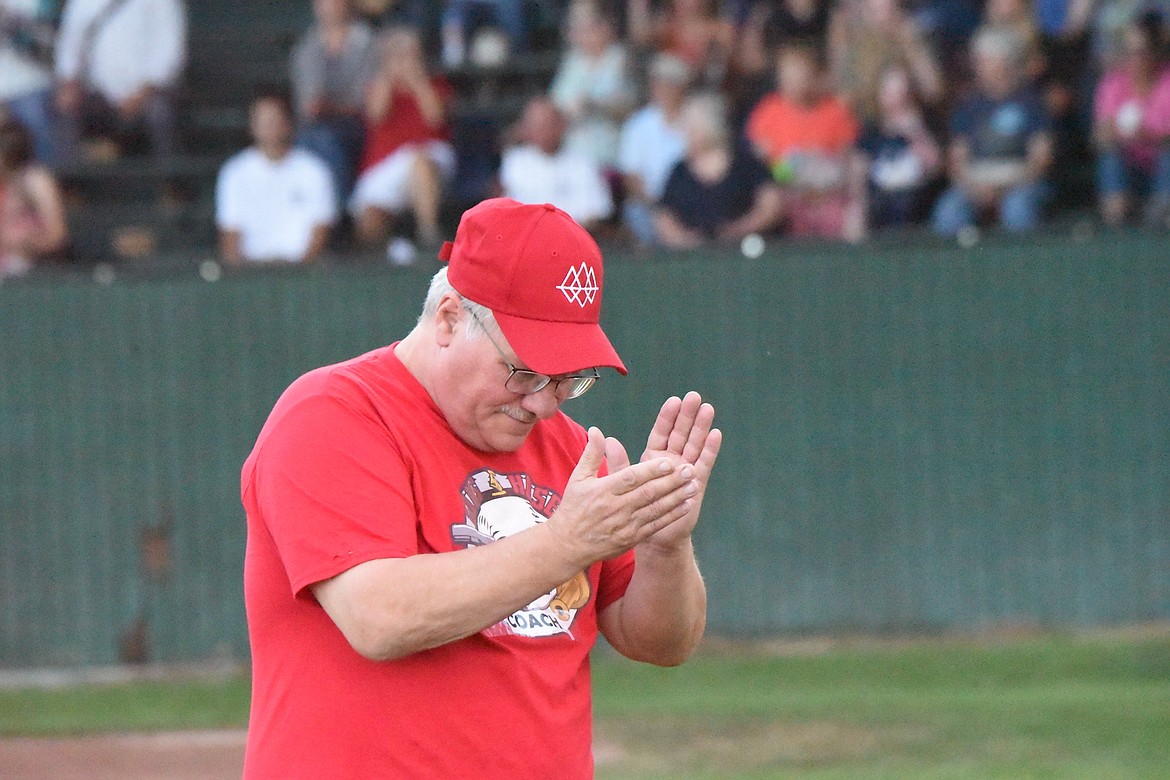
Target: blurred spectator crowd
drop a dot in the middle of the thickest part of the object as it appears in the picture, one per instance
(676, 123)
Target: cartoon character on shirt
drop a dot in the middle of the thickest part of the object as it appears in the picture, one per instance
(497, 506)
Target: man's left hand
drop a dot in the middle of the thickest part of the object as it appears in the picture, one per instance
(684, 432)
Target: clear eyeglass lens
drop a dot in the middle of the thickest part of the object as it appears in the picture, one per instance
(527, 382)
(575, 387)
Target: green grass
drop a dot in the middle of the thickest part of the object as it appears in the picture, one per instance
(1052, 708)
(145, 706)
(1055, 707)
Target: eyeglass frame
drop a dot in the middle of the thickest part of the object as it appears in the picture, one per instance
(513, 371)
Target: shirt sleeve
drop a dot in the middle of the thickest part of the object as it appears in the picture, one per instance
(167, 50)
(324, 205)
(67, 47)
(673, 194)
(333, 490)
(593, 196)
(227, 198)
(305, 72)
(628, 153)
(567, 84)
(1157, 116)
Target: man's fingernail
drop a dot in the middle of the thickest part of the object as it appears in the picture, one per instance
(664, 466)
(687, 472)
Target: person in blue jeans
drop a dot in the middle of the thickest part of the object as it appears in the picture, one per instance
(1001, 147)
(26, 76)
(460, 15)
(331, 69)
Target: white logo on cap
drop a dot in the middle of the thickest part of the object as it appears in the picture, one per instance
(580, 285)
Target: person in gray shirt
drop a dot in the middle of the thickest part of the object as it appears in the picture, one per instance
(331, 67)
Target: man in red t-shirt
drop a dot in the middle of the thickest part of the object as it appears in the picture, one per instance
(408, 155)
(433, 545)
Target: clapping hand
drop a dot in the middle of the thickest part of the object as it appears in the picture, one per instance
(683, 432)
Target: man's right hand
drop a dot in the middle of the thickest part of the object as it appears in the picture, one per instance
(603, 517)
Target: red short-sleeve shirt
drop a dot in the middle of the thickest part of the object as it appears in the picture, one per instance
(357, 463)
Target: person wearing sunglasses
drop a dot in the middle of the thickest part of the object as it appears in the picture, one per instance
(434, 545)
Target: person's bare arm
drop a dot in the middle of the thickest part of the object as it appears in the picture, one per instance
(46, 200)
(430, 104)
(390, 608)
(640, 22)
(924, 67)
(229, 247)
(959, 163)
(378, 97)
(663, 613)
(318, 240)
(765, 212)
(68, 97)
(855, 226)
(634, 187)
(673, 233)
(1040, 156)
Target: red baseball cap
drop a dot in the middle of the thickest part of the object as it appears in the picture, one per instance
(541, 274)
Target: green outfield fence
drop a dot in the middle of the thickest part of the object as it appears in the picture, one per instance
(917, 438)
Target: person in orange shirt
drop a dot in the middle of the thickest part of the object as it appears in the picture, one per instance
(806, 136)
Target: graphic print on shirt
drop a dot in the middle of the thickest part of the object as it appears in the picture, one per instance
(498, 505)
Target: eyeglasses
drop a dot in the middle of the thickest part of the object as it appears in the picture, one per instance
(524, 382)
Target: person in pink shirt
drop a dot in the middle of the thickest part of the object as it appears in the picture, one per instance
(1132, 127)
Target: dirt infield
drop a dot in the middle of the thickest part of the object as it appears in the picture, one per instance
(185, 755)
(172, 755)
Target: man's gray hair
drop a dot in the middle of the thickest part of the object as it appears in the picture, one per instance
(440, 286)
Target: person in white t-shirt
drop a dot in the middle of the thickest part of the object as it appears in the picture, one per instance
(652, 142)
(117, 64)
(541, 170)
(274, 202)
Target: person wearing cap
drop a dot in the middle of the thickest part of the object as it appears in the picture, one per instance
(434, 546)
